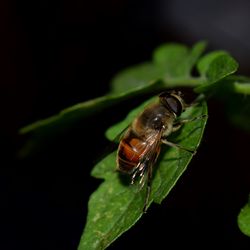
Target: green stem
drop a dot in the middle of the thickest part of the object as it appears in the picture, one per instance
(190, 82)
(242, 88)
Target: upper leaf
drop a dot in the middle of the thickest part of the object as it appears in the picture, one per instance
(171, 63)
(140, 75)
(47, 129)
(177, 60)
(171, 57)
(214, 67)
(84, 109)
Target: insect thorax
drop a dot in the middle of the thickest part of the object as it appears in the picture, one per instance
(154, 118)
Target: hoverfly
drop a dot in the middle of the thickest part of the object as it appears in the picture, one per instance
(140, 145)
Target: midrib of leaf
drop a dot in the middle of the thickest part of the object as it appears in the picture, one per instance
(89, 107)
(120, 220)
(105, 241)
(118, 224)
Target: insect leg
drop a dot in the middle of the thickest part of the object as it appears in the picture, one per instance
(178, 124)
(134, 175)
(171, 144)
(148, 191)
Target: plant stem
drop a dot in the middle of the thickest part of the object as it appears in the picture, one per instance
(242, 88)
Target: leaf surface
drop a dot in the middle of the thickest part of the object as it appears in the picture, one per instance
(171, 63)
(116, 205)
(214, 67)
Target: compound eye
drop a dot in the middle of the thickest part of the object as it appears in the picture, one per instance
(172, 102)
(175, 105)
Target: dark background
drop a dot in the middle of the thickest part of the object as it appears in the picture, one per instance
(57, 53)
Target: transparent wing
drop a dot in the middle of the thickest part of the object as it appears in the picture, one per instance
(143, 170)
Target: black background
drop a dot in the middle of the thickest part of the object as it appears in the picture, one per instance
(57, 53)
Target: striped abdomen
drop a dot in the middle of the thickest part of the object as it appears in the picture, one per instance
(141, 143)
(130, 151)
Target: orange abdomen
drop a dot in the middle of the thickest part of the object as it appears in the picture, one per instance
(129, 153)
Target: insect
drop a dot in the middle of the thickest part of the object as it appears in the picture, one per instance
(140, 145)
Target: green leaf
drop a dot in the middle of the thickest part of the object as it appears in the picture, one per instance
(116, 206)
(172, 63)
(137, 76)
(213, 68)
(177, 60)
(47, 129)
(129, 83)
(174, 162)
(84, 109)
(107, 217)
(204, 63)
(244, 220)
(170, 57)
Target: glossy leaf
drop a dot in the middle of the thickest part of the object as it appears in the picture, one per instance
(129, 83)
(116, 205)
(171, 63)
(171, 58)
(45, 130)
(213, 68)
(84, 109)
(177, 60)
(137, 76)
